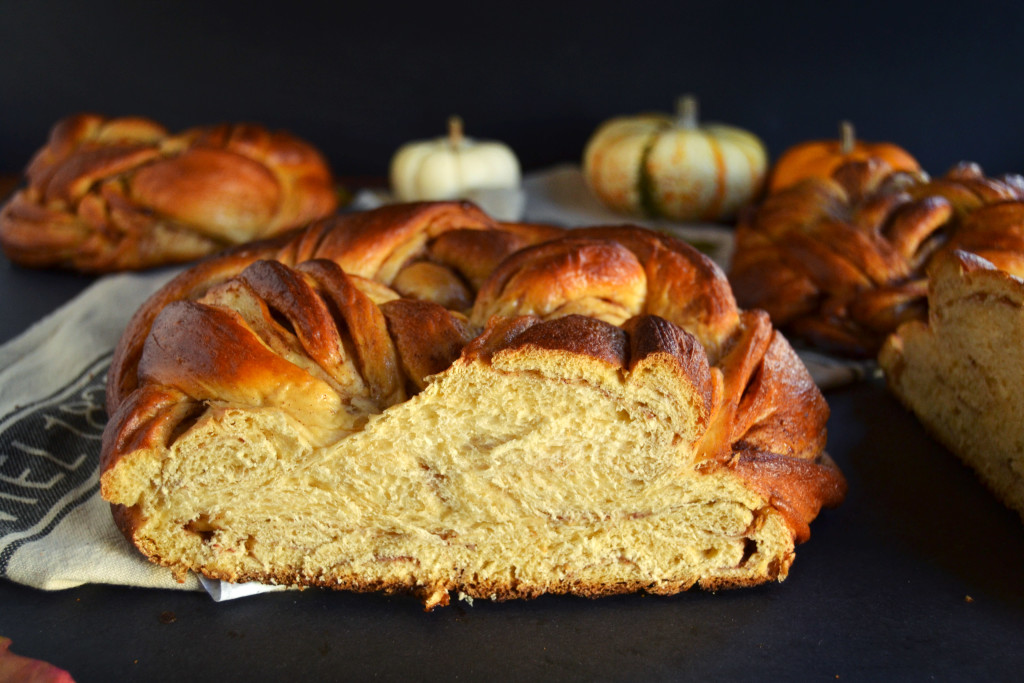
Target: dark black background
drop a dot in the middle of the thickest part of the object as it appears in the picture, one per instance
(916, 577)
(359, 79)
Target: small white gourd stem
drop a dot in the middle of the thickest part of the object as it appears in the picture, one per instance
(455, 131)
(686, 112)
(847, 138)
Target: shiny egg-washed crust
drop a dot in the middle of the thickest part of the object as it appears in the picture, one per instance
(455, 241)
(316, 324)
(841, 262)
(111, 194)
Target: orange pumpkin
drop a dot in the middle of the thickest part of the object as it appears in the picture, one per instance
(818, 158)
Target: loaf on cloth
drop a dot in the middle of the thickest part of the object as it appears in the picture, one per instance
(961, 371)
(840, 262)
(113, 194)
(421, 399)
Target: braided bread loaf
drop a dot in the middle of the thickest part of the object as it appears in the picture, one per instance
(840, 262)
(421, 399)
(119, 194)
(961, 370)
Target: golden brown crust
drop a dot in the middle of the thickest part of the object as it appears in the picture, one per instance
(797, 488)
(683, 285)
(650, 335)
(767, 400)
(282, 325)
(146, 420)
(841, 262)
(995, 232)
(109, 194)
(439, 594)
(410, 322)
(229, 361)
(577, 334)
(377, 245)
(372, 347)
(551, 278)
(191, 284)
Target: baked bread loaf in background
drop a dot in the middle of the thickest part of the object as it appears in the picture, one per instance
(110, 194)
(421, 399)
(962, 370)
(840, 262)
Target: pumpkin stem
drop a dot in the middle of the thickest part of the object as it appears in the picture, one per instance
(847, 137)
(686, 111)
(455, 130)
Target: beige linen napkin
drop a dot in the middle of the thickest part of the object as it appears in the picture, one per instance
(55, 530)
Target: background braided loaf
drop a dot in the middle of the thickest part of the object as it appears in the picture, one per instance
(118, 194)
(421, 399)
(840, 262)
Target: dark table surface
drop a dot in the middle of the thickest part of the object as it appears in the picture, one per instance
(917, 576)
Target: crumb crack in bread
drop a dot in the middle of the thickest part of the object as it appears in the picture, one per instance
(283, 414)
(960, 372)
(108, 194)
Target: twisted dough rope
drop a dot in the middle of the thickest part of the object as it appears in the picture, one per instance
(841, 262)
(387, 251)
(314, 326)
(108, 194)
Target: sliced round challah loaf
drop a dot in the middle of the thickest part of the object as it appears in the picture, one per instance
(422, 399)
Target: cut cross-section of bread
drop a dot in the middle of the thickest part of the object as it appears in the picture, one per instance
(961, 373)
(299, 424)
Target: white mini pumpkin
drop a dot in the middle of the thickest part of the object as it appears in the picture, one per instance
(457, 167)
(658, 165)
